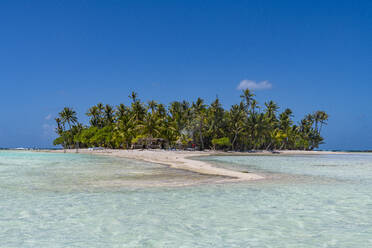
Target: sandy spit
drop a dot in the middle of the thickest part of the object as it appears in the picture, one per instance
(181, 159)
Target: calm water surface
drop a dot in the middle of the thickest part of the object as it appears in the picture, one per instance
(74, 200)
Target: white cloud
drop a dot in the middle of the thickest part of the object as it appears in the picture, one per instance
(48, 117)
(253, 85)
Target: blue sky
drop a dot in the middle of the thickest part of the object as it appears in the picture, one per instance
(310, 55)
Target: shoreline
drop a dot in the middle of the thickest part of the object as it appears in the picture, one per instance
(182, 159)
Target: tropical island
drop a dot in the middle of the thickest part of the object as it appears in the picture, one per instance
(197, 126)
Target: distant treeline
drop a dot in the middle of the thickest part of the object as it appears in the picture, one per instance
(245, 126)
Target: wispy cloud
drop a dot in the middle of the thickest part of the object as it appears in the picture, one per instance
(48, 130)
(253, 85)
(48, 117)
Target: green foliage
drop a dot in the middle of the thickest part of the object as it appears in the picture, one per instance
(137, 138)
(221, 142)
(58, 141)
(87, 134)
(103, 137)
(245, 126)
(185, 140)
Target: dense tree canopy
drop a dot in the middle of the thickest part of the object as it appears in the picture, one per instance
(245, 126)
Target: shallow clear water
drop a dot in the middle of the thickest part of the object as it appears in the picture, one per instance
(73, 200)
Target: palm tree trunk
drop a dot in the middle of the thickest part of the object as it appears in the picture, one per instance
(268, 146)
(77, 147)
(233, 141)
(282, 146)
(320, 129)
(201, 134)
(201, 140)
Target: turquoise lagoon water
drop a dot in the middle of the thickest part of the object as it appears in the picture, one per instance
(74, 200)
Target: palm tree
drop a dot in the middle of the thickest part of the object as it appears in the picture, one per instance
(236, 122)
(100, 106)
(199, 114)
(151, 126)
(108, 114)
(254, 105)
(272, 123)
(320, 117)
(247, 97)
(161, 111)
(285, 123)
(124, 130)
(216, 121)
(68, 115)
(271, 109)
(138, 110)
(94, 115)
(285, 119)
(59, 128)
(121, 110)
(76, 131)
(152, 105)
(176, 115)
(133, 96)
